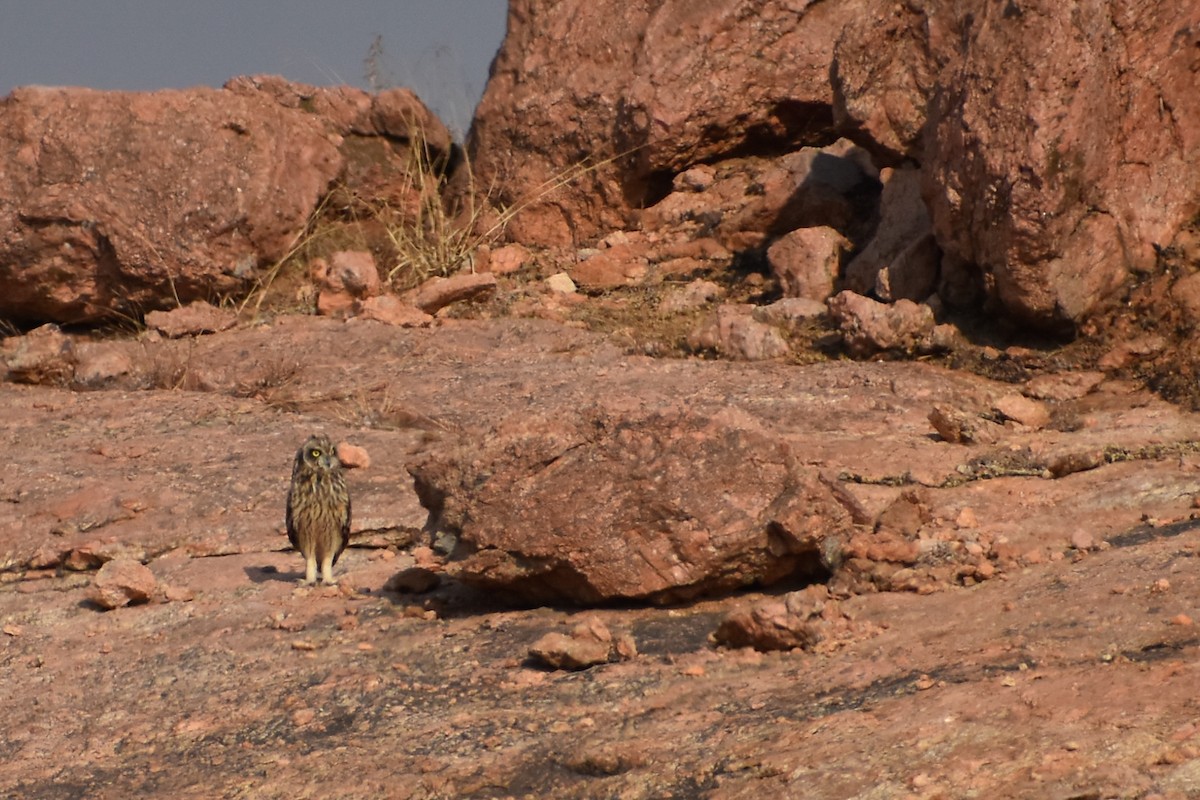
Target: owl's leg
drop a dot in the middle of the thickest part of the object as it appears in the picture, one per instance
(310, 570)
(327, 570)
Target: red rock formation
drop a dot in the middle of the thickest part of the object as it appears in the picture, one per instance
(1057, 144)
(1062, 142)
(117, 203)
(646, 89)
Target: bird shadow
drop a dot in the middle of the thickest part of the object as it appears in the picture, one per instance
(271, 573)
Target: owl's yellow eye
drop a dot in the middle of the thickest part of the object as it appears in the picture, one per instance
(315, 453)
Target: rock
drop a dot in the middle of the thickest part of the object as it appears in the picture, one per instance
(437, 293)
(560, 283)
(99, 364)
(755, 198)
(1018, 408)
(806, 262)
(346, 277)
(798, 620)
(508, 259)
(413, 580)
(960, 427)
(1068, 240)
(354, 272)
(589, 643)
(193, 319)
(901, 260)
(391, 310)
(43, 356)
(642, 536)
(129, 202)
(1082, 212)
(123, 581)
(1082, 540)
(694, 295)
(869, 326)
(1126, 353)
(732, 331)
(881, 91)
(651, 75)
(352, 456)
(1063, 385)
(789, 311)
(604, 270)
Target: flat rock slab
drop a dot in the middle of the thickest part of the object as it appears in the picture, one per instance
(1072, 675)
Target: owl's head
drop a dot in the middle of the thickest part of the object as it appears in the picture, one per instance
(318, 453)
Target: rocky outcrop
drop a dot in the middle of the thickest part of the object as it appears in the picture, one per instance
(117, 203)
(1060, 144)
(1054, 146)
(641, 91)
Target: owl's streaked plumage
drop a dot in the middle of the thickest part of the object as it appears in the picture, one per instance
(318, 508)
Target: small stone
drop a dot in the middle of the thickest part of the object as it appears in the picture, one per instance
(123, 581)
(391, 310)
(508, 259)
(732, 331)
(966, 518)
(193, 319)
(1082, 540)
(414, 580)
(589, 643)
(352, 456)
(807, 261)
(1181, 619)
(44, 356)
(561, 283)
(960, 427)
(178, 594)
(789, 310)
(1019, 408)
(608, 270)
(695, 294)
(354, 272)
(303, 716)
(1063, 386)
(437, 293)
(869, 326)
(99, 364)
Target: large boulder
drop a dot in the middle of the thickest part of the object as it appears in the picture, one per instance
(611, 506)
(1057, 144)
(638, 92)
(1061, 144)
(117, 203)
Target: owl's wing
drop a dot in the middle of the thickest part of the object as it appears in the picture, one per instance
(291, 528)
(344, 539)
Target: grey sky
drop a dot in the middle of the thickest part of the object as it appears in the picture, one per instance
(439, 48)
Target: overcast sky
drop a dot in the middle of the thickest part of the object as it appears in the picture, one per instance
(439, 48)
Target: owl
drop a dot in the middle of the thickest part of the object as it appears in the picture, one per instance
(318, 508)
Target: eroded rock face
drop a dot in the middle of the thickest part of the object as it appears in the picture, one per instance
(658, 75)
(1054, 145)
(1061, 140)
(1107, 127)
(118, 203)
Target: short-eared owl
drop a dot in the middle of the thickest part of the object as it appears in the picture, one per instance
(318, 508)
